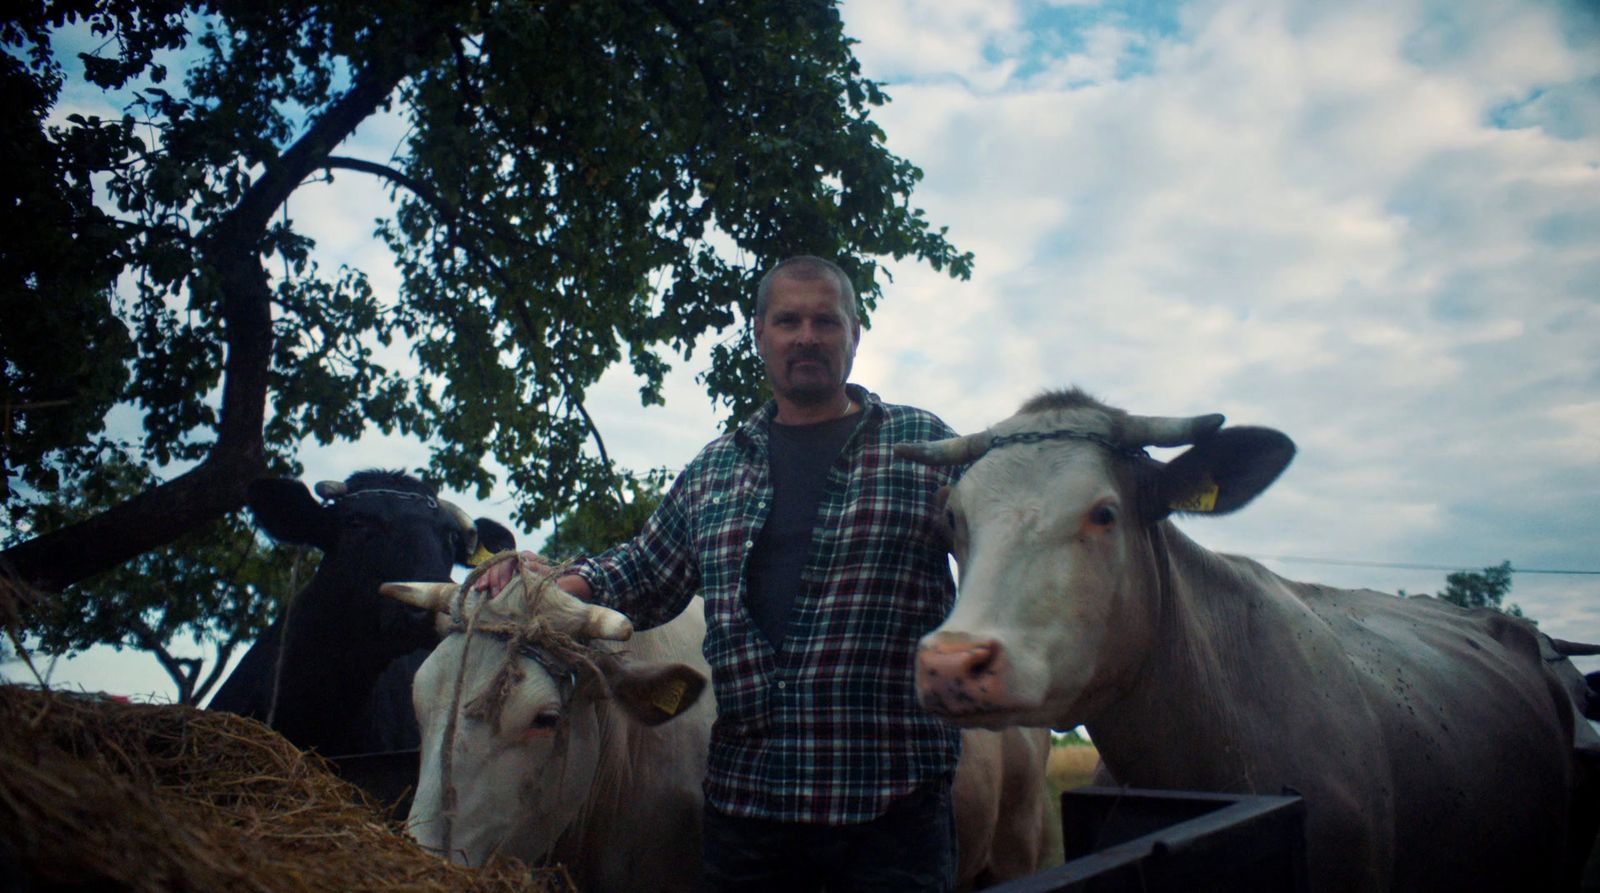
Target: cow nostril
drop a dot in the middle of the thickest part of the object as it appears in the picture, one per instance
(983, 659)
(960, 660)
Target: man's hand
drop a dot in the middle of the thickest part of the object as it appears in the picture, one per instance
(498, 573)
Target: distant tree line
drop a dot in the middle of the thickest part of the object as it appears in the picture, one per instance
(1480, 589)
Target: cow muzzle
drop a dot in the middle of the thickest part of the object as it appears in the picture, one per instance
(966, 679)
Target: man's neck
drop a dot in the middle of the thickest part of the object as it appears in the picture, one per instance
(791, 413)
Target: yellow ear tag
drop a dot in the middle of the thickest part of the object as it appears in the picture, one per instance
(1203, 499)
(668, 696)
(479, 556)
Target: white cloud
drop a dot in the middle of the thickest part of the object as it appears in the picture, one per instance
(1305, 216)
(933, 38)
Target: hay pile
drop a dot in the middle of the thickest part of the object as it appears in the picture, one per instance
(113, 795)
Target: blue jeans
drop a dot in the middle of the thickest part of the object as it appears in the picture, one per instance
(911, 847)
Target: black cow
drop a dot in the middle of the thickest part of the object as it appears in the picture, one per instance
(347, 653)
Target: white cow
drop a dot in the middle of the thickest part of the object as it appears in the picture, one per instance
(583, 769)
(1435, 749)
(545, 739)
(1000, 799)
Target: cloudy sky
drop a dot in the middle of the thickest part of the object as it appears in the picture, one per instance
(1371, 225)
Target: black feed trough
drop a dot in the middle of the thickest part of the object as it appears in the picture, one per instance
(1117, 839)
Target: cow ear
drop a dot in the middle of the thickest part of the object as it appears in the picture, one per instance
(653, 693)
(287, 511)
(493, 538)
(1223, 472)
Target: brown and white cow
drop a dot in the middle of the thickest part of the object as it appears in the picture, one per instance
(1435, 748)
(583, 769)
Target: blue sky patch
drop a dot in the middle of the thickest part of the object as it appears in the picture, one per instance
(1569, 111)
(1061, 30)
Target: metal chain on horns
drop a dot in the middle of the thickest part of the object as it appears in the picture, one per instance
(1023, 437)
(377, 491)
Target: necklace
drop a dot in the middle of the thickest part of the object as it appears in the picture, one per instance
(848, 408)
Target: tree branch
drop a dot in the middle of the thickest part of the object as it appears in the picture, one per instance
(231, 256)
(182, 670)
(451, 216)
(218, 667)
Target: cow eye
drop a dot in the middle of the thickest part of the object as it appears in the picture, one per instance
(1103, 516)
(546, 721)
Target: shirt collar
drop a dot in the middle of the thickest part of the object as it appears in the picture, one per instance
(753, 432)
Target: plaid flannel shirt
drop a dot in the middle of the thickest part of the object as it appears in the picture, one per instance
(829, 731)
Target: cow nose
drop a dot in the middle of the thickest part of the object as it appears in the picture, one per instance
(959, 674)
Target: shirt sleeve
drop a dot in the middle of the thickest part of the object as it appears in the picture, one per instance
(652, 577)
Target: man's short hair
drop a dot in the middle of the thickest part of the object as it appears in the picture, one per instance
(807, 268)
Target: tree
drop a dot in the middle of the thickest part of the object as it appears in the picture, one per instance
(217, 583)
(1480, 589)
(580, 182)
(232, 586)
(595, 526)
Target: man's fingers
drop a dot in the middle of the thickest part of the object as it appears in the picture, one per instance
(494, 576)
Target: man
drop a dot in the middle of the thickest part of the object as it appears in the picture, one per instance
(822, 561)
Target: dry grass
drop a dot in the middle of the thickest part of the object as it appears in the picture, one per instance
(105, 794)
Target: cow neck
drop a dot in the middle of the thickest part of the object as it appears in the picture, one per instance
(1175, 688)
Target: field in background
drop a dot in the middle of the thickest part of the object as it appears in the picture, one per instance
(1071, 765)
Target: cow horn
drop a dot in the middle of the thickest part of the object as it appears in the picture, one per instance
(470, 547)
(331, 489)
(1167, 431)
(565, 612)
(950, 451)
(1574, 649)
(434, 597)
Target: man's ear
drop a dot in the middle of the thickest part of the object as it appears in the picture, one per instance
(653, 693)
(287, 511)
(1221, 473)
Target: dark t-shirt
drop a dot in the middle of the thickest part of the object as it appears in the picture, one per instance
(799, 456)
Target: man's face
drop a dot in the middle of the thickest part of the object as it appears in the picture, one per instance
(806, 340)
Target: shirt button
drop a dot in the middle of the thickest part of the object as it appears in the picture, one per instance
(762, 504)
(749, 544)
(782, 684)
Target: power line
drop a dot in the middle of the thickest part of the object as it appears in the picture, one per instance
(1417, 567)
